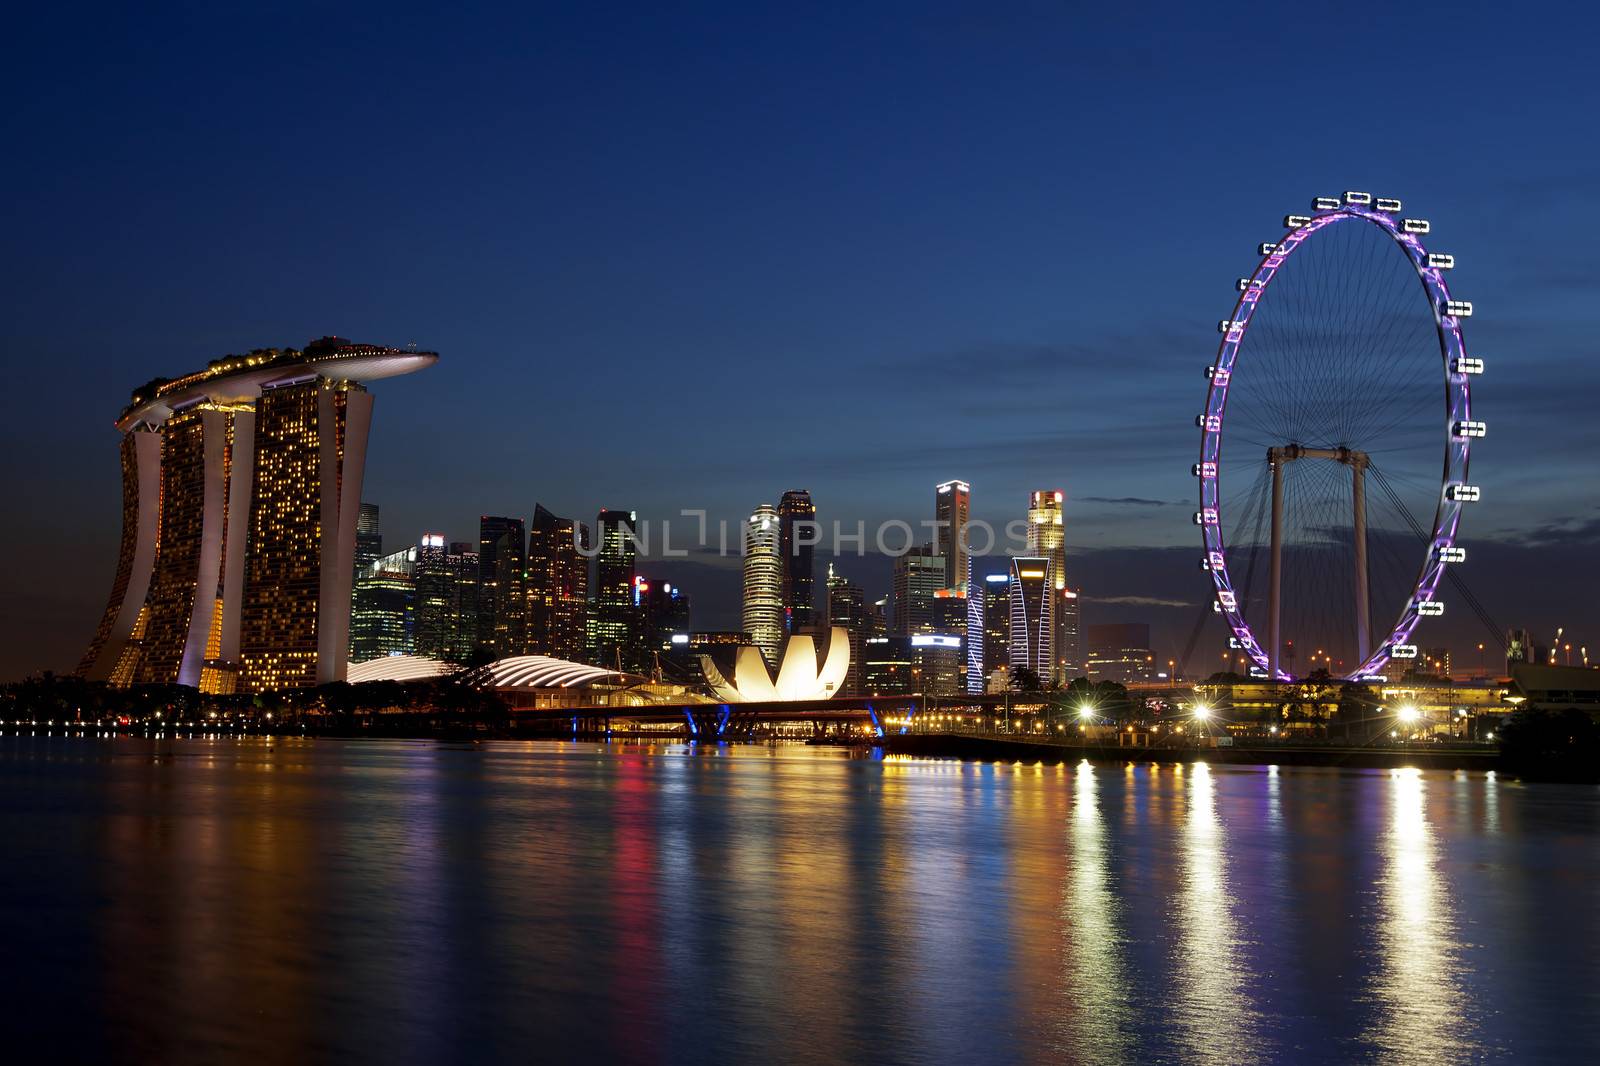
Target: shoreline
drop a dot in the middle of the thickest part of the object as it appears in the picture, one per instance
(1019, 749)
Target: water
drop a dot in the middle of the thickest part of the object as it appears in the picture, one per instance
(292, 901)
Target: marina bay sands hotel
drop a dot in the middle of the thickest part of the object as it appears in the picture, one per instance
(241, 484)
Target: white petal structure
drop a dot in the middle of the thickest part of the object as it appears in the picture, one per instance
(397, 668)
(515, 672)
(540, 671)
(799, 677)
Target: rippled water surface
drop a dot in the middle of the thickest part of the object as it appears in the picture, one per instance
(293, 901)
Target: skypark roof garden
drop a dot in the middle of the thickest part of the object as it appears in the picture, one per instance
(240, 378)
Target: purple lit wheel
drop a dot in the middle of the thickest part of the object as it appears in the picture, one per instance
(1333, 358)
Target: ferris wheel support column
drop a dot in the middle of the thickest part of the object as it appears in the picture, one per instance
(1275, 459)
(1358, 492)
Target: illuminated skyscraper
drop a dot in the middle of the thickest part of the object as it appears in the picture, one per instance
(558, 586)
(615, 630)
(462, 640)
(996, 622)
(847, 609)
(369, 549)
(241, 489)
(1047, 538)
(666, 615)
(369, 537)
(435, 602)
(1069, 635)
(386, 611)
(797, 537)
(1032, 636)
(919, 577)
(951, 501)
(763, 582)
(502, 597)
(1121, 652)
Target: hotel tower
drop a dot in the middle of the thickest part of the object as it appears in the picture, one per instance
(240, 497)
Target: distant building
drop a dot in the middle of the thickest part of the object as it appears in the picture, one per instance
(711, 639)
(1047, 537)
(369, 536)
(797, 517)
(918, 577)
(1436, 661)
(502, 600)
(1069, 639)
(763, 582)
(462, 638)
(1032, 638)
(558, 586)
(996, 622)
(1522, 648)
(887, 669)
(616, 633)
(435, 600)
(937, 663)
(388, 611)
(952, 501)
(847, 610)
(1121, 653)
(666, 614)
(369, 549)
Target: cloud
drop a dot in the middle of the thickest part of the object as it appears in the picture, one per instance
(1145, 601)
(1128, 501)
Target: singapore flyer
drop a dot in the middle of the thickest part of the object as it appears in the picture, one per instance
(1332, 485)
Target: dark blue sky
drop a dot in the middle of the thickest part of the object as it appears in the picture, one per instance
(690, 256)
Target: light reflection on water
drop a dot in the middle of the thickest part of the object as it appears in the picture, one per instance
(1418, 982)
(202, 900)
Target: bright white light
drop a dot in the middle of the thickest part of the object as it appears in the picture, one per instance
(1085, 711)
(1408, 714)
(1201, 712)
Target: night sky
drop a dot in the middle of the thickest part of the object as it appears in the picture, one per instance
(689, 257)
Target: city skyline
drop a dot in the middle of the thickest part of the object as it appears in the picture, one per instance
(1004, 270)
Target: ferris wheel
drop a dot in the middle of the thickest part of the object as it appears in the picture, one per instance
(1328, 508)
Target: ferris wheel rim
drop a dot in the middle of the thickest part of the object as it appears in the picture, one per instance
(1454, 490)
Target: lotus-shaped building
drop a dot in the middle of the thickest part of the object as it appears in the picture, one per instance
(802, 673)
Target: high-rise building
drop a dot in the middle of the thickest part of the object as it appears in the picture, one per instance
(369, 549)
(1120, 652)
(255, 540)
(558, 586)
(951, 501)
(666, 614)
(1047, 538)
(241, 490)
(918, 578)
(435, 601)
(502, 598)
(887, 668)
(763, 582)
(1032, 638)
(797, 517)
(847, 609)
(996, 622)
(937, 663)
(1069, 628)
(615, 630)
(386, 613)
(369, 537)
(462, 640)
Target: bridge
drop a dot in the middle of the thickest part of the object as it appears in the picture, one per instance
(733, 721)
